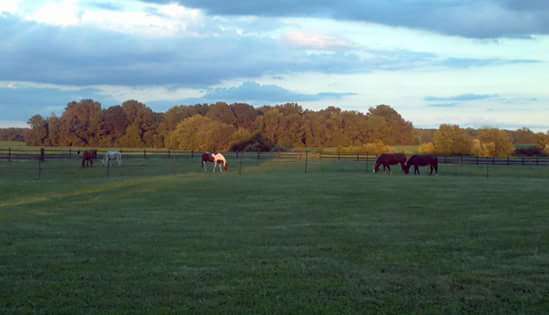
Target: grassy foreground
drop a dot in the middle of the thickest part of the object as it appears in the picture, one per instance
(275, 241)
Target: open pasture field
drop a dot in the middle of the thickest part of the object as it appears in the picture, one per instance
(158, 237)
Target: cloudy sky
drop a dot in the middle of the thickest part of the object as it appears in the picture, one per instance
(476, 63)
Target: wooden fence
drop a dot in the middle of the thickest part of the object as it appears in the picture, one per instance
(60, 154)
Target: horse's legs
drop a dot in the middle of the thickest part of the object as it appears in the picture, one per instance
(389, 167)
(416, 170)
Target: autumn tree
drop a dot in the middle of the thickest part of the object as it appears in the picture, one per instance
(81, 123)
(452, 140)
(498, 142)
(39, 130)
(141, 125)
(201, 133)
(115, 123)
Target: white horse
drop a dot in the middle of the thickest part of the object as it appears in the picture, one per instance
(112, 156)
(217, 159)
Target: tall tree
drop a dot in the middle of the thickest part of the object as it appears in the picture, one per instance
(81, 123)
(39, 130)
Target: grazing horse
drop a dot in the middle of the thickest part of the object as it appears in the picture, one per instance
(217, 159)
(388, 159)
(422, 160)
(88, 157)
(112, 156)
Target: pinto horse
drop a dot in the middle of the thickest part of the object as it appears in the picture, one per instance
(388, 159)
(217, 159)
(422, 160)
(88, 157)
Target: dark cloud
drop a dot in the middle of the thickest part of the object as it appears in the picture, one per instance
(20, 103)
(456, 100)
(469, 18)
(262, 94)
(85, 56)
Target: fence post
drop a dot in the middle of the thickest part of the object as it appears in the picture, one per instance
(477, 160)
(192, 154)
(70, 153)
(39, 168)
(144, 153)
(108, 167)
(367, 162)
(306, 161)
(508, 160)
(239, 166)
(169, 154)
(523, 160)
(9, 154)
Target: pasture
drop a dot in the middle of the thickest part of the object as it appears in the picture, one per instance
(163, 237)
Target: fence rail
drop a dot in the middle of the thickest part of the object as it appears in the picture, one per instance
(64, 154)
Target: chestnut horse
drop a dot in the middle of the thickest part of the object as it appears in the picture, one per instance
(217, 159)
(388, 159)
(422, 160)
(88, 157)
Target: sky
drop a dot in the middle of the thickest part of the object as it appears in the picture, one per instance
(476, 63)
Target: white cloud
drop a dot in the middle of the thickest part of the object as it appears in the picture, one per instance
(148, 94)
(58, 13)
(315, 40)
(167, 20)
(13, 124)
(9, 6)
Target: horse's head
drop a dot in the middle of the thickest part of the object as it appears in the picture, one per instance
(405, 168)
(226, 166)
(376, 167)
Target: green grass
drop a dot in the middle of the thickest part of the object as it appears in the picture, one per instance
(274, 240)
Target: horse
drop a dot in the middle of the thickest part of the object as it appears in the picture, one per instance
(388, 159)
(422, 160)
(88, 157)
(112, 156)
(217, 159)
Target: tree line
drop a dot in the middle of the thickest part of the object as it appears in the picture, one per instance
(242, 127)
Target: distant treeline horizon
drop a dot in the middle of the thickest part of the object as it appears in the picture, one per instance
(243, 127)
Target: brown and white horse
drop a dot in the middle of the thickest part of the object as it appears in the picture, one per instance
(388, 159)
(217, 159)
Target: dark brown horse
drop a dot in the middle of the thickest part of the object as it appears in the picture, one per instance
(422, 160)
(388, 159)
(88, 157)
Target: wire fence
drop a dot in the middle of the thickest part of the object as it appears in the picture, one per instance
(62, 163)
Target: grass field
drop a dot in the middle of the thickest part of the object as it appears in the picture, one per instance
(149, 239)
